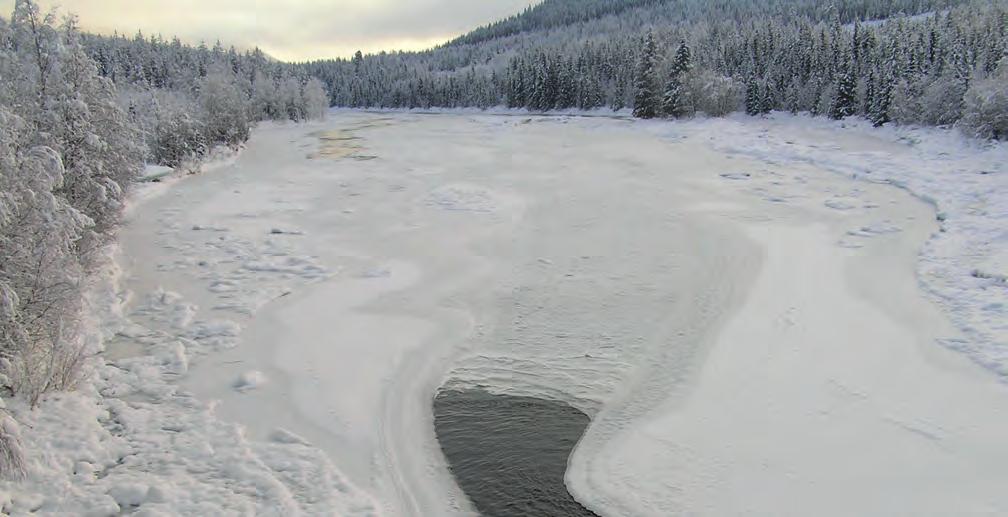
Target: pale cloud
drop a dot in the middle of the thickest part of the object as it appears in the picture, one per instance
(292, 29)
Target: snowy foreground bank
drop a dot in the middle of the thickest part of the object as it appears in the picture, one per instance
(761, 316)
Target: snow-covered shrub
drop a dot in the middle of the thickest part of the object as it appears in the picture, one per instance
(905, 107)
(315, 99)
(265, 104)
(179, 140)
(225, 109)
(941, 102)
(40, 275)
(985, 112)
(713, 94)
(12, 457)
(291, 99)
(100, 149)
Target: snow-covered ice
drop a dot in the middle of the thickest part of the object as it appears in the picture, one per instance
(772, 316)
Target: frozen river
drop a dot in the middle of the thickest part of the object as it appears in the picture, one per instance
(746, 334)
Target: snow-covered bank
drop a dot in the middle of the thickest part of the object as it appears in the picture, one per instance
(131, 440)
(743, 324)
(964, 266)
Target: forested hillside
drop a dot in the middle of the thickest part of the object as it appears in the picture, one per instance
(550, 14)
(932, 62)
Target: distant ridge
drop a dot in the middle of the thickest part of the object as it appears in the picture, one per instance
(549, 14)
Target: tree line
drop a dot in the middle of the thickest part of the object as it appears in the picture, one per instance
(910, 62)
(187, 99)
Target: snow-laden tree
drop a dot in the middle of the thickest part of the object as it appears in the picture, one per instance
(179, 140)
(845, 99)
(291, 99)
(99, 147)
(674, 102)
(881, 104)
(41, 266)
(224, 109)
(315, 98)
(265, 102)
(753, 101)
(646, 99)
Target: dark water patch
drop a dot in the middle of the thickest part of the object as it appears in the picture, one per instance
(509, 454)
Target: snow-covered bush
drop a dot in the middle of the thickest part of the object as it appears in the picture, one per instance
(986, 105)
(290, 98)
(905, 108)
(179, 140)
(264, 98)
(100, 149)
(12, 457)
(713, 94)
(41, 268)
(225, 109)
(942, 102)
(315, 98)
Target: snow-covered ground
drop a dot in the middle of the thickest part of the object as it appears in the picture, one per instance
(762, 316)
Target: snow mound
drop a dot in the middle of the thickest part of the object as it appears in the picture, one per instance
(842, 205)
(249, 381)
(282, 435)
(875, 229)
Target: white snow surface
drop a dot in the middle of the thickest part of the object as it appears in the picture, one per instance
(770, 316)
(965, 265)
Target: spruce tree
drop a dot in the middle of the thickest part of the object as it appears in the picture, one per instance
(766, 99)
(683, 60)
(845, 101)
(869, 97)
(646, 98)
(883, 100)
(752, 98)
(673, 101)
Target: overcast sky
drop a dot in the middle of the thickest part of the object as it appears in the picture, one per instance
(292, 29)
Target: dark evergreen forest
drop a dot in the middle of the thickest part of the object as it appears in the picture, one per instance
(931, 62)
